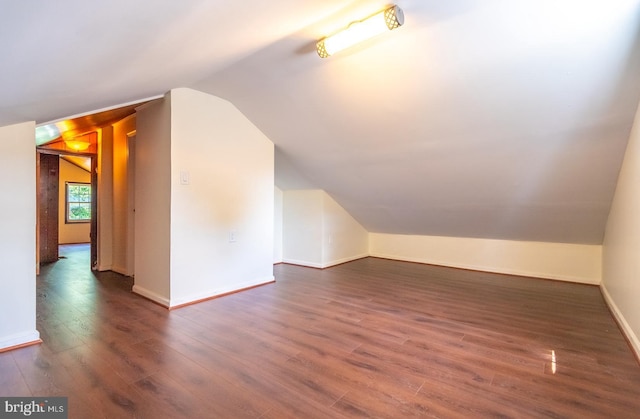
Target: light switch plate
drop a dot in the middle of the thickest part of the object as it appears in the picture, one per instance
(184, 177)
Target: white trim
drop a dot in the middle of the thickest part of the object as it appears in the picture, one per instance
(529, 274)
(344, 260)
(147, 104)
(626, 329)
(324, 265)
(302, 263)
(108, 108)
(120, 270)
(19, 339)
(220, 291)
(491, 269)
(163, 301)
(102, 268)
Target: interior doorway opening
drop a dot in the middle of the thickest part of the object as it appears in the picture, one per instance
(67, 210)
(107, 139)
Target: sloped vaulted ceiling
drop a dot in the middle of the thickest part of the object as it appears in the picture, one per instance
(497, 119)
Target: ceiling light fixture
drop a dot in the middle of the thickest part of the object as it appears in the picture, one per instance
(78, 143)
(388, 19)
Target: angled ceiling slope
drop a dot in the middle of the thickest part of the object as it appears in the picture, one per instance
(492, 119)
(498, 119)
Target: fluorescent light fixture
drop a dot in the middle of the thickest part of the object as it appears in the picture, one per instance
(386, 20)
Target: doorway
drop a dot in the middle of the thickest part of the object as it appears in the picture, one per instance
(67, 197)
(108, 137)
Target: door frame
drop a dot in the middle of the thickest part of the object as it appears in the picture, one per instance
(48, 203)
(131, 205)
(94, 201)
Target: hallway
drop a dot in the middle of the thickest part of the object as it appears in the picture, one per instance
(69, 293)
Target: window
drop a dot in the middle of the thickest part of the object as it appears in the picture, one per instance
(78, 202)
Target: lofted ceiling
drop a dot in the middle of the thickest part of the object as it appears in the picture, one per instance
(499, 119)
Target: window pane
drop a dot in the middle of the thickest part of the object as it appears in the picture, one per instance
(78, 202)
(79, 193)
(79, 211)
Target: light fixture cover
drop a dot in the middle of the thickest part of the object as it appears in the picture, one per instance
(78, 144)
(388, 19)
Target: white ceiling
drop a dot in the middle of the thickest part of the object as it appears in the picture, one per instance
(497, 118)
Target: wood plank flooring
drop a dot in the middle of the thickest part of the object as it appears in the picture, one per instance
(370, 338)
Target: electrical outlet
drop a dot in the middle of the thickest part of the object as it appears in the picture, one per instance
(232, 236)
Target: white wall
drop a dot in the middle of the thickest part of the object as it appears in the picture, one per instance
(566, 262)
(343, 237)
(203, 173)
(621, 250)
(153, 201)
(222, 183)
(302, 233)
(18, 235)
(318, 232)
(71, 232)
(277, 224)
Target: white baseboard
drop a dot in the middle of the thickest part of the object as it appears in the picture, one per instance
(490, 269)
(217, 292)
(163, 301)
(344, 260)
(626, 329)
(120, 270)
(302, 263)
(102, 268)
(19, 339)
(326, 264)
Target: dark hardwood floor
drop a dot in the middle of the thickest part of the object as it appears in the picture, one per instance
(370, 338)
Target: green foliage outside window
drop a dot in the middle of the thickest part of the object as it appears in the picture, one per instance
(78, 202)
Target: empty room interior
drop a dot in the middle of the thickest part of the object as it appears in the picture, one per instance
(259, 209)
